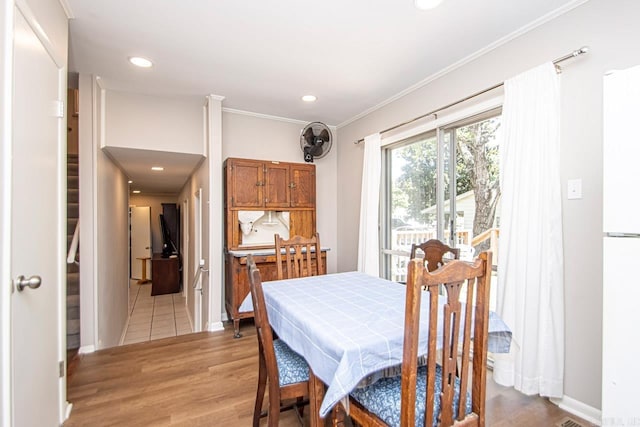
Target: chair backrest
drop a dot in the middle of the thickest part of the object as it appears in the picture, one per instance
(462, 280)
(263, 328)
(434, 251)
(301, 257)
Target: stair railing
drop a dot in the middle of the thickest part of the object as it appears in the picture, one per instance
(73, 249)
(196, 278)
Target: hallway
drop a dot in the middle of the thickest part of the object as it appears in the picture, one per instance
(155, 317)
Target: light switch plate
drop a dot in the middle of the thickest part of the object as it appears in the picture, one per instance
(574, 189)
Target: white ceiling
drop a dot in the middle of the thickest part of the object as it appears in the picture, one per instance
(137, 165)
(263, 55)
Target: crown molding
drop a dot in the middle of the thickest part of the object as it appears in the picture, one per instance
(67, 8)
(263, 116)
(504, 40)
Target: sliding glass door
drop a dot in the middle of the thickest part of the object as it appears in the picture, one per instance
(443, 185)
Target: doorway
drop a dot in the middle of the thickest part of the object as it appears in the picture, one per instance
(157, 307)
(140, 252)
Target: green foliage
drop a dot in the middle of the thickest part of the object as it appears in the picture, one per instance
(477, 168)
(415, 189)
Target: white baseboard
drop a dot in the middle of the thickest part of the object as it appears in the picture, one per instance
(86, 349)
(68, 410)
(215, 327)
(124, 331)
(579, 409)
(190, 319)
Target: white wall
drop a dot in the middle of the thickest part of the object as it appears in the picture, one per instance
(104, 222)
(154, 201)
(250, 137)
(198, 180)
(610, 28)
(207, 177)
(86, 153)
(113, 243)
(160, 123)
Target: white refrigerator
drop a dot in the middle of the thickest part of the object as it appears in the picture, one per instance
(621, 249)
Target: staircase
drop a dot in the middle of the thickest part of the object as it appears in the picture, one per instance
(73, 270)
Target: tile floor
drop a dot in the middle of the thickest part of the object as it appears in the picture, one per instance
(155, 317)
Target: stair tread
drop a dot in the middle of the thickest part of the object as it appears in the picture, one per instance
(73, 326)
(73, 274)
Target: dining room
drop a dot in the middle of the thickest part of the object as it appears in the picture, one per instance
(217, 383)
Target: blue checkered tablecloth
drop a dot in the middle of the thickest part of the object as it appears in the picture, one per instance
(348, 326)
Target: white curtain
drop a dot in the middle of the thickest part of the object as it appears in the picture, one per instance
(368, 244)
(530, 261)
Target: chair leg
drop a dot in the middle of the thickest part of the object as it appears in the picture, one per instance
(262, 386)
(338, 416)
(300, 406)
(274, 409)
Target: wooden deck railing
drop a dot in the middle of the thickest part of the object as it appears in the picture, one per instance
(403, 239)
(492, 235)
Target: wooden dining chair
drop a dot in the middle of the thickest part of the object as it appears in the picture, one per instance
(437, 392)
(283, 370)
(434, 251)
(299, 257)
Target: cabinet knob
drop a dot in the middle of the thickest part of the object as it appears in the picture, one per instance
(292, 185)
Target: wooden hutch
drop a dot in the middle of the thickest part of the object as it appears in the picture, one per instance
(262, 198)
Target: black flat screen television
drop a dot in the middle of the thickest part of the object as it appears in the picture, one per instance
(168, 246)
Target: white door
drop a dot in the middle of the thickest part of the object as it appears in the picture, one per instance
(37, 247)
(140, 241)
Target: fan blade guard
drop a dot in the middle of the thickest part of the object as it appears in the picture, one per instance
(315, 141)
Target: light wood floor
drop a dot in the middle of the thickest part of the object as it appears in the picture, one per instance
(209, 379)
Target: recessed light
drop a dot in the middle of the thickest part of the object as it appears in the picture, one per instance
(157, 168)
(130, 182)
(309, 98)
(427, 4)
(136, 191)
(140, 61)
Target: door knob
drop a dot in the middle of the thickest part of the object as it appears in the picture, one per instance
(33, 282)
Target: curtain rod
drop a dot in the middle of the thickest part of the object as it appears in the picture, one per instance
(556, 62)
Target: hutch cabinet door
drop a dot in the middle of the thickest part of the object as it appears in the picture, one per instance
(245, 183)
(303, 186)
(277, 185)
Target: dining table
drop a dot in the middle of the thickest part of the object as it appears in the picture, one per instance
(349, 327)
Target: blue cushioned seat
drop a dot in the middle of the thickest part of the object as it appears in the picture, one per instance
(383, 398)
(292, 368)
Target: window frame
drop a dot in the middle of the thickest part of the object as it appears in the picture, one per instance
(439, 128)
